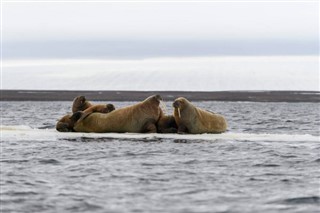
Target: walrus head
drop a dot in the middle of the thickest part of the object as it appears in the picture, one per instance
(63, 127)
(80, 103)
(65, 124)
(180, 104)
(155, 98)
(79, 100)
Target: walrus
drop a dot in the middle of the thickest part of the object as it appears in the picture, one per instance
(80, 103)
(191, 119)
(137, 118)
(66, 123)
(167, 124)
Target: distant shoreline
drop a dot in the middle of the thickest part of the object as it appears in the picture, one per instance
(252, 96)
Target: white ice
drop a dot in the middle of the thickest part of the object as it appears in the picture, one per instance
(14, 133)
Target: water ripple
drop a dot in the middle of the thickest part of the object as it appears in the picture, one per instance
(266, 165)
(302, 200)
(49, 161)
(84, 207)
(97, 175)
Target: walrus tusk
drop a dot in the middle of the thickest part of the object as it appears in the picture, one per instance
(164, 107)
(179, 114)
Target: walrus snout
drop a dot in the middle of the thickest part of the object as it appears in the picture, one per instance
(63, 127)
(176, 104)
(82, 99)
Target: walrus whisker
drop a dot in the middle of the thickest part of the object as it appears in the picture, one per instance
(179, 114)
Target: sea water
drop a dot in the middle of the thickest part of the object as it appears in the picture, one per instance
(267, 161)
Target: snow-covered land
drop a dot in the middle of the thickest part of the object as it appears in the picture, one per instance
(176, 73)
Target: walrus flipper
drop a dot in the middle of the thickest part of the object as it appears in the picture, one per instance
(76, 116)
(84, 115)
(149, 127)
(168, 130)
(110, 107)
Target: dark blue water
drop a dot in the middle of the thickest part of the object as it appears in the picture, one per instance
(164, 175)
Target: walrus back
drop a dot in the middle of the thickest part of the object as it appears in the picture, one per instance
(209, 122)
(128, 119)
(115, 121)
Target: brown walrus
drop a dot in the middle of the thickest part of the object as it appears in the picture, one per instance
(80, 103)
(191, 119)
(167, 124)
(66, 123)
(138, 118)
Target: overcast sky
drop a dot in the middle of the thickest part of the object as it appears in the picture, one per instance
(91, 29)
(154, 20)
(102, 31)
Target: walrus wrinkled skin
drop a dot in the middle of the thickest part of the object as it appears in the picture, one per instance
(167, 124)
(66, 123)
(194, 120)
(80, 103)
(138, 118)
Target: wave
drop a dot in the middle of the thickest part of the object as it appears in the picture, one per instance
(22, 132)
(301, 200)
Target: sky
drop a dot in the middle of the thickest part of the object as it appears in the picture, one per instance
(154, 20)
(70, 41)
(152, 28)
